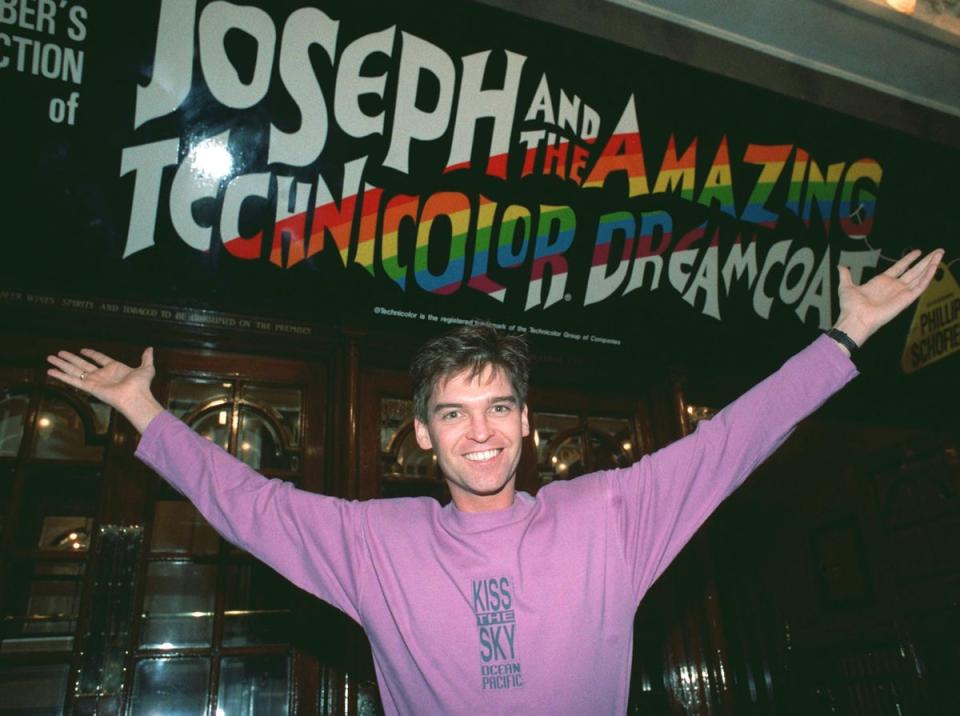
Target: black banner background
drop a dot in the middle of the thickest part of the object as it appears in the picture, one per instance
(67, 209)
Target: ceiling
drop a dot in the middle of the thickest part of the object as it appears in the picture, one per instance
(856, 56)
(915, 57)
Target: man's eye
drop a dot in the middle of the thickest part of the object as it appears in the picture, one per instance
(502, 409)
(451, 415)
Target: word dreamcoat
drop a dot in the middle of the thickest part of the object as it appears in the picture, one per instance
(449, 239)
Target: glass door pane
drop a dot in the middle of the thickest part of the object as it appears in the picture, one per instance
(33, 690)
(611, 442)
(46, 620)
(171, 687)
(13, 414)
(251, 685)
(178, 528)
(256, 606)
(202, 594)
(178, 606)
(407, 469)
(71, 428)
(558, 446)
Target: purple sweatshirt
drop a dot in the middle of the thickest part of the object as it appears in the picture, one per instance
(527, 610)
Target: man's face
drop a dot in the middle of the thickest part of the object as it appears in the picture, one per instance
(476, 428)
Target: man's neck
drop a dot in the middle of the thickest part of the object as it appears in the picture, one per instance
(469, 502)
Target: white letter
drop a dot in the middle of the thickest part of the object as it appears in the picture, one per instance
(475, 103)
(146, 162)
(818, 294)
(78, 22)
(221, 76)
(805, 259)
(306, 26)
(857, 261)
(600, 284)
(351, 85)
(330, 216)
(290, 221)
(776, 255)
(409, 121)
(649, 223)
(706, 279)
(740, 262)
(172, 64)
(568, 112)
(238, 190)
(541, 103)
(590, 127)
(678, 270)
(191, 184)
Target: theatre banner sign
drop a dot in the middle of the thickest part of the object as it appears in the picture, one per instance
(332, 162)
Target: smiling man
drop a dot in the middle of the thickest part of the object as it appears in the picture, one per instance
(470, 391)
(499, 602)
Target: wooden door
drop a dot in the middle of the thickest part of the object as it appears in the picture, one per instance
(117, 596)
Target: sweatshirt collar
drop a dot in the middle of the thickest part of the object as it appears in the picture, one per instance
(472, 522)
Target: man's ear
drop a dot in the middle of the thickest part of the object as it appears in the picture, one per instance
(423, 435)
(524, 422)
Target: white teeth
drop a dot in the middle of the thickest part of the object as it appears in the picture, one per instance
(481, 456)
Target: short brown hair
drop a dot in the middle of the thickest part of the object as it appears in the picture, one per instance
(469, 348)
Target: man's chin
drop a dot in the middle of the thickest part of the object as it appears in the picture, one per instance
(489, 492)
(481, 491)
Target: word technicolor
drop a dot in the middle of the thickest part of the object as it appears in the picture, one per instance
(447, 240)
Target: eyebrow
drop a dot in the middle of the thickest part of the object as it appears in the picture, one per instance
(499, 399)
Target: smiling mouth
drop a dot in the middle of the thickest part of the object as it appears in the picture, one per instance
(483, 455)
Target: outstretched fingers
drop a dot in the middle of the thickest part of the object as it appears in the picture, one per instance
(72, 364)
(100, 358)
(66, 373)
(76, 369)
(923, 271)
(903, 264)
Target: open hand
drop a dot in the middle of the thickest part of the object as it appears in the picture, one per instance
(116, 384)
(865, 308)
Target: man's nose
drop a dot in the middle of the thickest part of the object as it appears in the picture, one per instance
(479, 428)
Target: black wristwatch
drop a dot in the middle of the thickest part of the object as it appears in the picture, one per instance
(844, 340)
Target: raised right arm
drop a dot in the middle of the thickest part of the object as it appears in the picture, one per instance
(312, 540)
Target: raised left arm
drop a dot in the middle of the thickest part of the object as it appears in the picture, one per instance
(867, 307)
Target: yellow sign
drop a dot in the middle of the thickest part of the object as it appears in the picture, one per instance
(935, 330)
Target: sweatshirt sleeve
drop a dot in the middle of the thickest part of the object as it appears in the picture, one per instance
(312, 540)
(663, 499)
